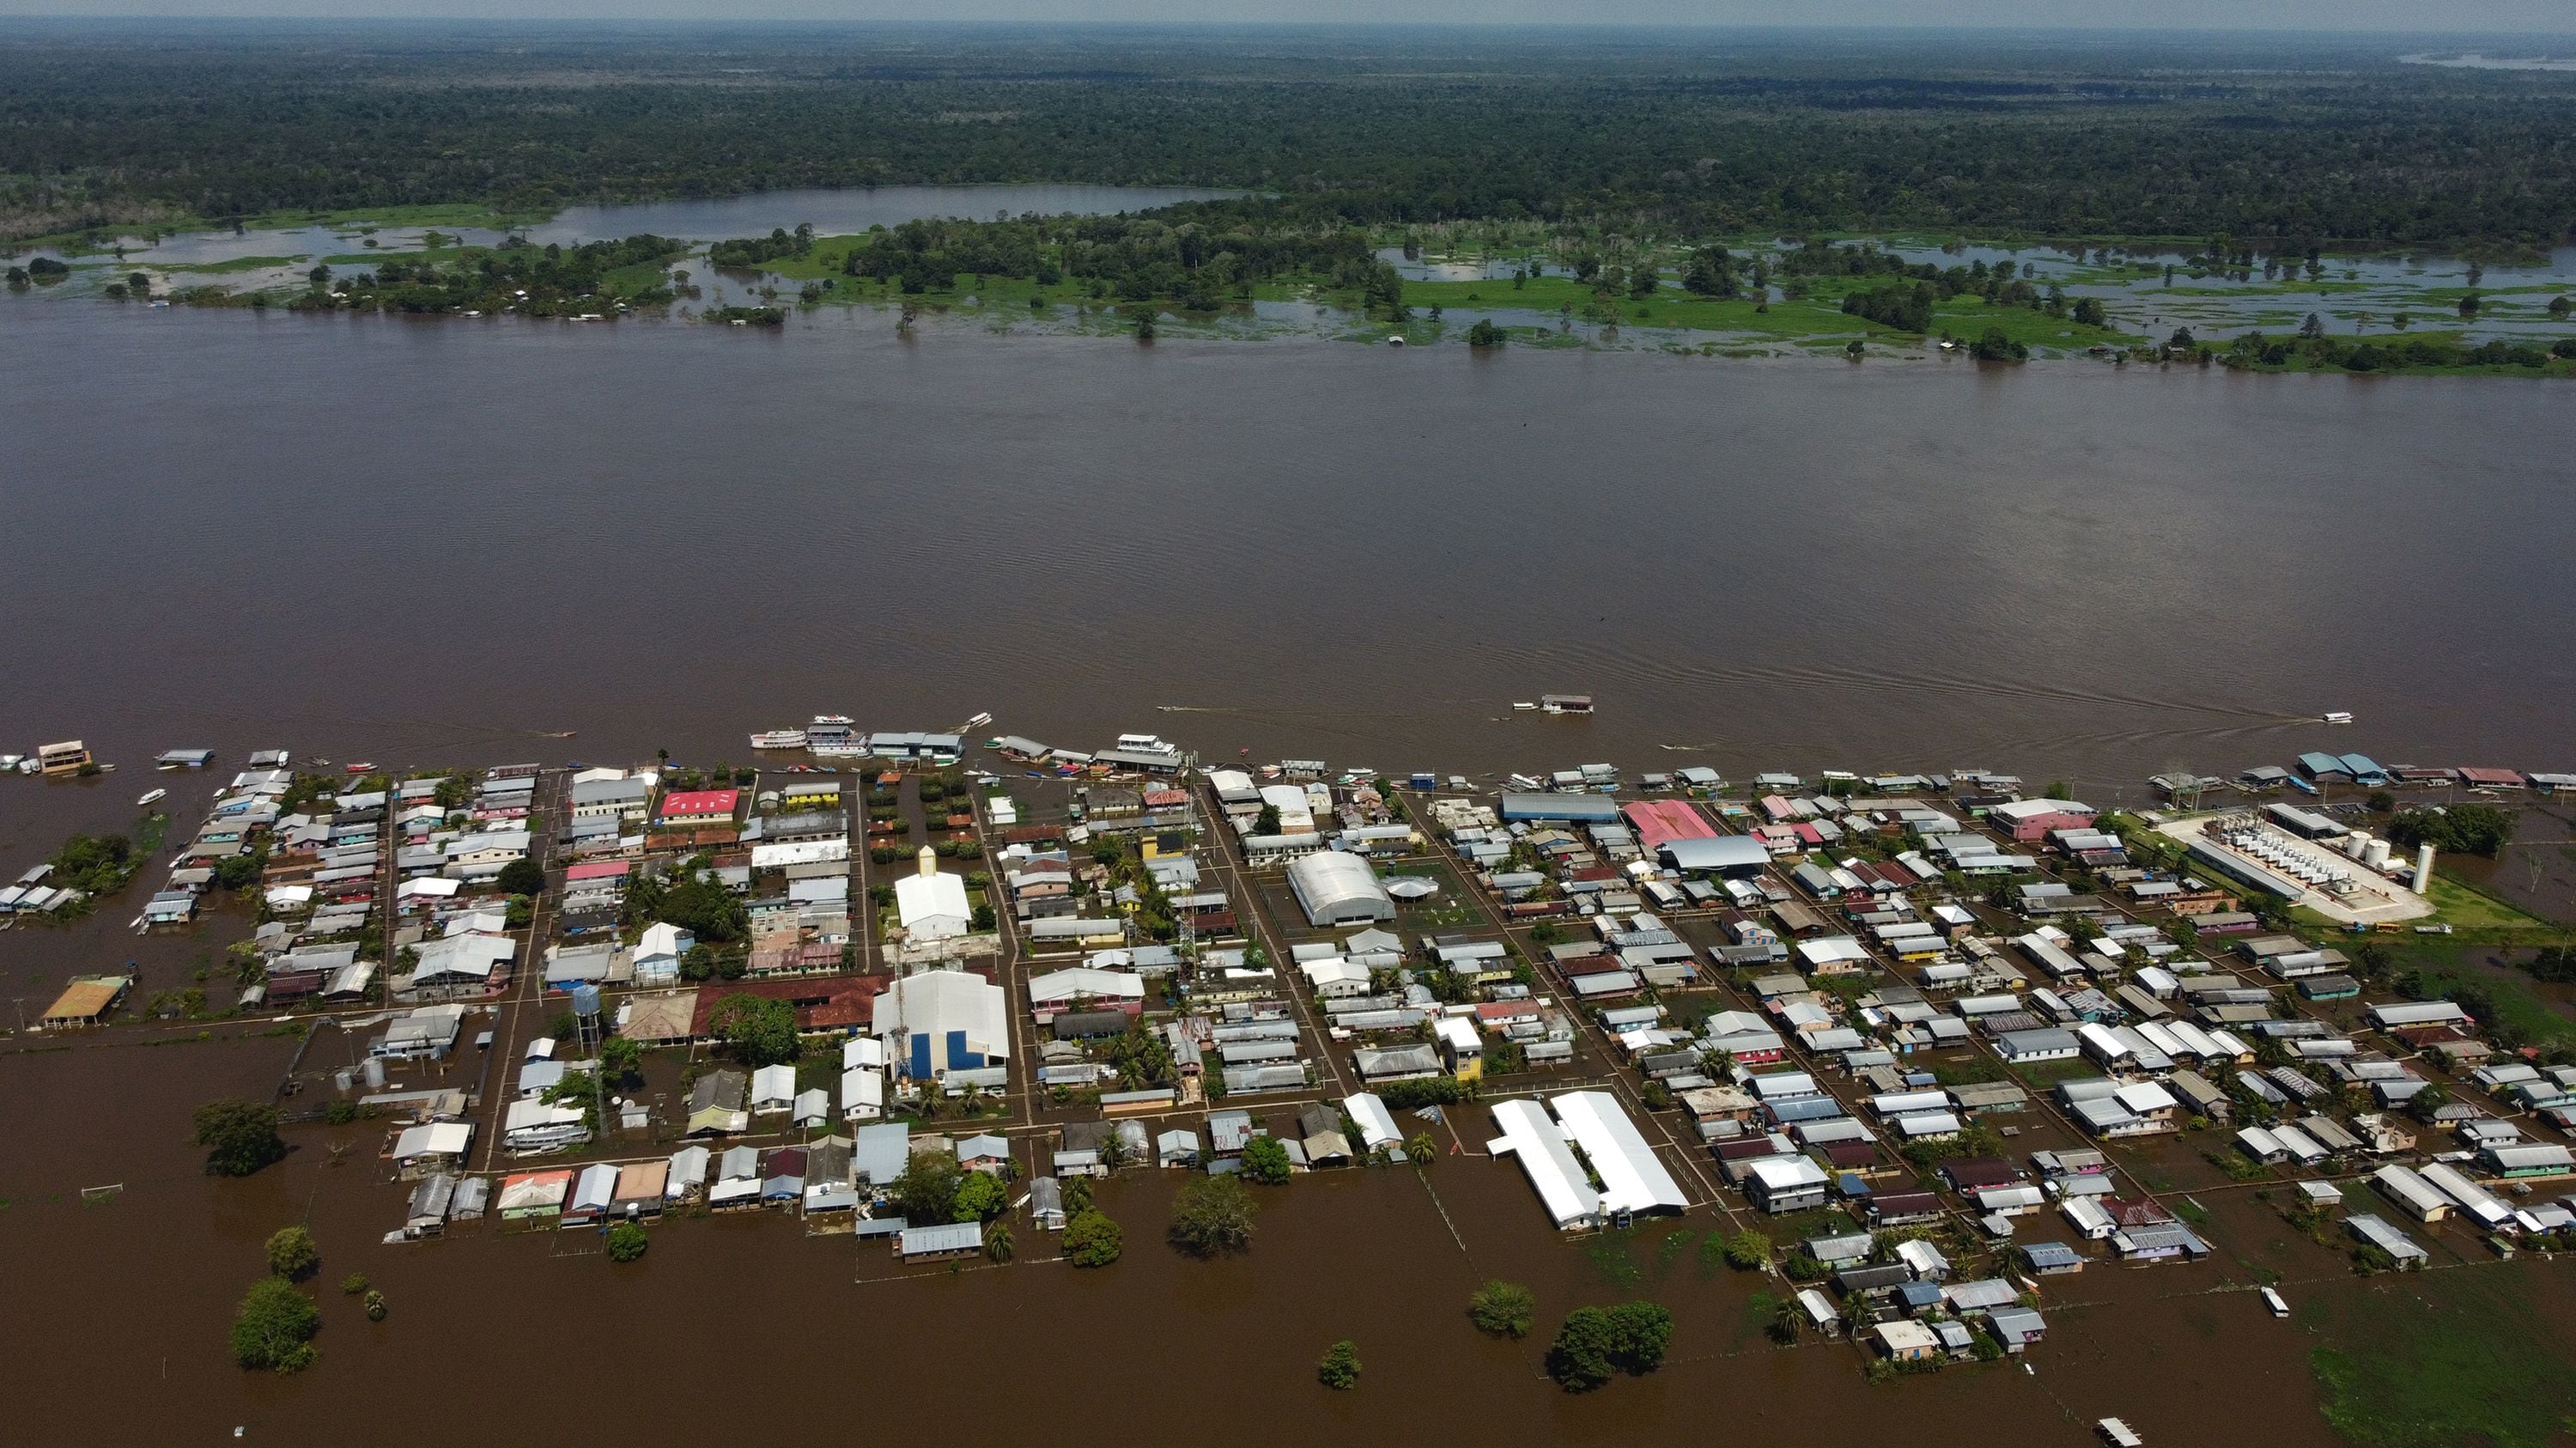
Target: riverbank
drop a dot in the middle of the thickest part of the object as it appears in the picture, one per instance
(1215, 266)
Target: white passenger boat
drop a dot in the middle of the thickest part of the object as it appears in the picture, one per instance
(830, 736)
(2338, 716)
(779, 739)
(151, 797)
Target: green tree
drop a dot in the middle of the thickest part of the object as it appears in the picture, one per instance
(1711, 273)
(1421, 1149)
(979, 1197)
(622, 1058)
(696, 902)
(1485, 334)
(1265, 1161)
(1747, 1250)
(522, 877)
(927, 1190)
(237, 873)
(2460, 829)
(1995, 346)
(627, 1241)
(757, 1031)
(1644, 1330)
(1266, 822)
(273, 1329)
(1579, 1359)
(1091, 1239)
(1504, 1309)
(240, 1137)
(1340, 1369)
(1594, 1342)
(1212, 1215)
(291, 1253)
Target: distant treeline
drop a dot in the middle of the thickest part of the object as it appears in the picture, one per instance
(751, 251)
(1701, 137)
(2391, 354)
(1199, 253)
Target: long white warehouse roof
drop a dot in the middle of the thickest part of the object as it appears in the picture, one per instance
(1532, 1139)
(1632, 1180)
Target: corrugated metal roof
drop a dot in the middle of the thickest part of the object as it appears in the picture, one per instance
(1536, 1143)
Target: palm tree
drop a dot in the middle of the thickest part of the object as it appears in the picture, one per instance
(997, 1242)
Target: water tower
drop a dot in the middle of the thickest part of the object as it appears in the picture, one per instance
(585, 1018)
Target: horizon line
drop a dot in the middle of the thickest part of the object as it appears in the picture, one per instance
(522, 20)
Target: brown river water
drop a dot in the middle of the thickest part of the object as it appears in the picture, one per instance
(442, 542)
(439, 540)
(536, 1332)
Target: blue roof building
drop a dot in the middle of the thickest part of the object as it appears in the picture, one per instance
(1582, 809)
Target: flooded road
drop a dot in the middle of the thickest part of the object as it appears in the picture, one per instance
(129, 1297)
(447, 541)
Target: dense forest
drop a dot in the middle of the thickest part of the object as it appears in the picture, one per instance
(1196, 254)
(1702, 132)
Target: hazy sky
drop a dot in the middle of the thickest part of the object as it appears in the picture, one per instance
(2453, 16)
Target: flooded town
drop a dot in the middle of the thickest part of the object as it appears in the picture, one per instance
(1579, 729)
(1889, 1075)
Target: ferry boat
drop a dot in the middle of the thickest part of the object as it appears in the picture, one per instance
(150, 797)
(981, 719)
(831, 734)
(2338, 716)
(779, 739)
